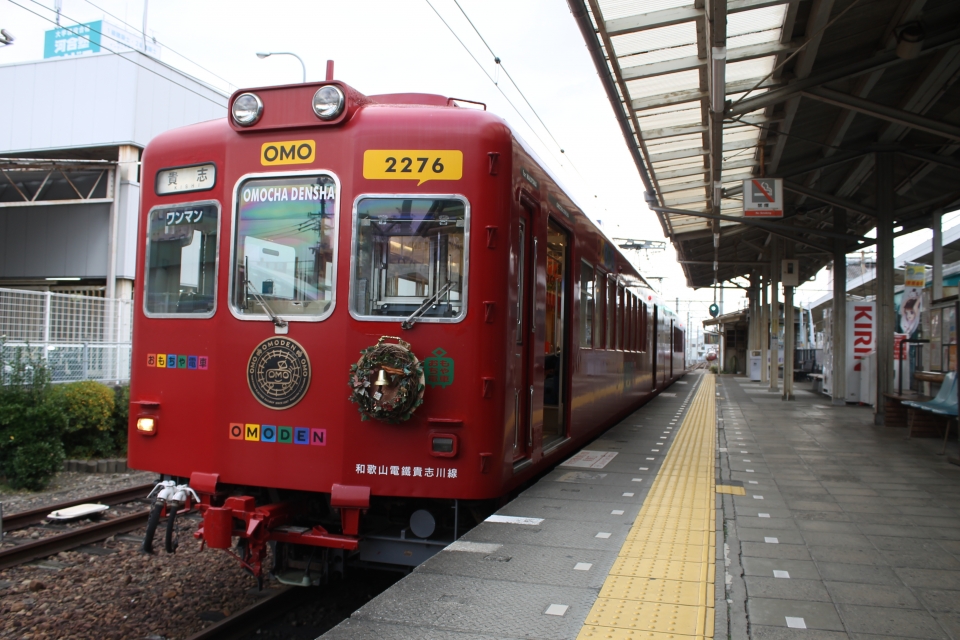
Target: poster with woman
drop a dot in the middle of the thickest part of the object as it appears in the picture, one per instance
(911, 304)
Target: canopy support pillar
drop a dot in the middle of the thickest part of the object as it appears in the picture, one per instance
(838, 384)
(885, 321)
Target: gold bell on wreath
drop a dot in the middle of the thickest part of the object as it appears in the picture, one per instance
(382, 379)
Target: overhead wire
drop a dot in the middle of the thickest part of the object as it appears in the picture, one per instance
(500, 64)
(500, 89)
(109, 50)
(166, 46)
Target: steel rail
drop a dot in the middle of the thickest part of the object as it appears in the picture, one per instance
(243, 622)
(70, 539)
(25, 519)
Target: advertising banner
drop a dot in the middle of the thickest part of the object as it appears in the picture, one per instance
(861, 333)
(911, 304)
(74, 40)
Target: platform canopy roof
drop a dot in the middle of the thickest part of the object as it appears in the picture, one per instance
(711, 92)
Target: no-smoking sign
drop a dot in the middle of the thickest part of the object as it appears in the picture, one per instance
(763, 198)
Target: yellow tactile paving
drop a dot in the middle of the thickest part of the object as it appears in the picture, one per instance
(664, 549)
(671, 591)
(734, 491)
(661, 585)
(649, 616)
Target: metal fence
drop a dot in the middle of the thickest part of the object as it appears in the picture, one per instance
(79, 337)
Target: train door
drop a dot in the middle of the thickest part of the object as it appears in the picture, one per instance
(555, 338)
(525, 251)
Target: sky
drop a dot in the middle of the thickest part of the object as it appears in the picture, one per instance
(381, 46)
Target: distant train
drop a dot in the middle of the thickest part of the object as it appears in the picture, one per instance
(362, 320)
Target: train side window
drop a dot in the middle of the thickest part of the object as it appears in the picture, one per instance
(643, 326)
(637, 306)
(285, 246)
(586, 304)
(611, 314)
(621, 318)
(601, 311)
(181, 260)
(408, 251)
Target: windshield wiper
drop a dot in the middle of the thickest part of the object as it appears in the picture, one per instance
(280, 323)
(409, 322)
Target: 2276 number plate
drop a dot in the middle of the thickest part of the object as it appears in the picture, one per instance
(411, 164)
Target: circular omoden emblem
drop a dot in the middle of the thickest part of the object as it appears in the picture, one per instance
(278, 373)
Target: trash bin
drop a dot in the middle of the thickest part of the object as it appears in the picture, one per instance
(755, 360)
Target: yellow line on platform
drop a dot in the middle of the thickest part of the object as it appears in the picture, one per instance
(662, 583)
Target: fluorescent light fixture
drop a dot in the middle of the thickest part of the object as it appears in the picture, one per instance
(64, 278)
(718, 85)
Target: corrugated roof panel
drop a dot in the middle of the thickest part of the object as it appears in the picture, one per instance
(662, 84)
(660, 55)
(740, 133)
(677, 195)
(691, 104)
(670, 119)
(670, 165)
(677, 142)
(757, 37)
(755, 20)
(746, 69)
(613, 9)
(652, 40)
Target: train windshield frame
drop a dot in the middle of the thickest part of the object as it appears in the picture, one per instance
(283, 245)
(181, 261)
(405, 249)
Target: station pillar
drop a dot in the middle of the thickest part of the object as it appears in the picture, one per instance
(764, 327)
(885, 320)
(937, 254)
(774, 314)
(839, 338)
(789, 335)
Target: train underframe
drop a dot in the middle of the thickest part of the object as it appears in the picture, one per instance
(313, 537)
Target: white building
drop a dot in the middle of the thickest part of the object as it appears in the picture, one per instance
(72, 133)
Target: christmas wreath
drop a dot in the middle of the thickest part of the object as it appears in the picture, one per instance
(387, 382)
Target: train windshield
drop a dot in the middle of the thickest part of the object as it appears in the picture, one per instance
(181, 273)
(407, 251)
(285, 246)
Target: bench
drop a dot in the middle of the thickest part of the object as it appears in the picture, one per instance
(896, 414)
(817, 382)
(926, 418)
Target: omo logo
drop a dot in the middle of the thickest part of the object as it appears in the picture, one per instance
(278, 373)
(288, 152)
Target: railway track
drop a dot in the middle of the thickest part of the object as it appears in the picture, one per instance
(71, 538)
(29, 518)
(242, 622)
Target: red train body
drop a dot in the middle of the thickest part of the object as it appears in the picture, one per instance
(542, 336)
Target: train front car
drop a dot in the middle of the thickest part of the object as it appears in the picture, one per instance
(309, 338)
(363, 320)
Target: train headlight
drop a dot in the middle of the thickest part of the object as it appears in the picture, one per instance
(328, 102)
(147, 425)
(246, 109)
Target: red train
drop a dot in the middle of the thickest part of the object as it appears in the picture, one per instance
(282, 248)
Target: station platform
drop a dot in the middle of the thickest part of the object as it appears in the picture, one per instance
(724, 513)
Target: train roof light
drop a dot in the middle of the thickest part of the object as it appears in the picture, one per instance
(328, 102)
(247, 109)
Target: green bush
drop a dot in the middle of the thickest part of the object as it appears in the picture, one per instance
(713, 368)
(87, 408)
(30, 424)
(121, 413)
(33, 464)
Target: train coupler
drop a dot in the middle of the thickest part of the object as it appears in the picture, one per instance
(256, 526)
